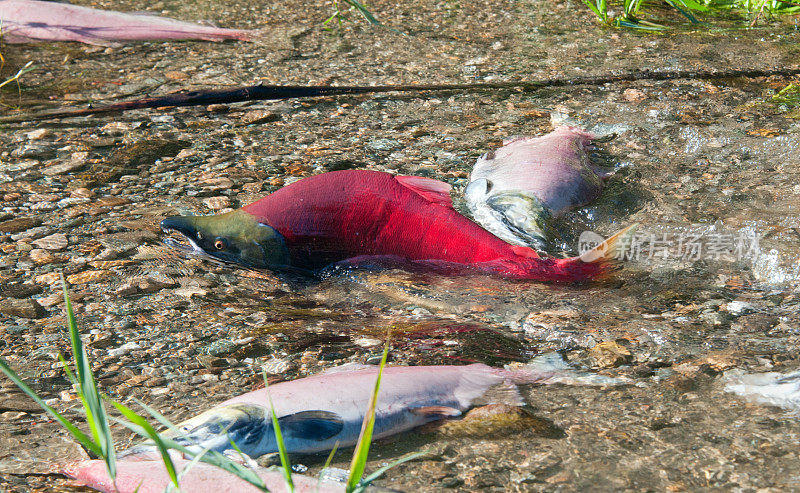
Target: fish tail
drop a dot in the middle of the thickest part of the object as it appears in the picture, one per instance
(551, 368)
(600, 261)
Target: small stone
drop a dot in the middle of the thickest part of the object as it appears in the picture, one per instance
(217, 203)
(54, 242)
(124, 349)
(66, 167)
(634, 95)
(41, 256)
(19, 224)
(609, 354)
(39, 133)
(50, 278)
(189, 291)
(218, 108)
(20, 290)
(19, 403)
(186, 153)
(11, 416)
(259, 116)
(82, 193)
(367, 342)
(737, 308)
(211, 361)
(22, 308)
(142, 286)
(219, 183)
(89, 276)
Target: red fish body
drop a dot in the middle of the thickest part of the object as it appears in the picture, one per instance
(354, 214)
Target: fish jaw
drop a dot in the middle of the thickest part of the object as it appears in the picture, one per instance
(235, 238)
(517, 217)
(249, 426)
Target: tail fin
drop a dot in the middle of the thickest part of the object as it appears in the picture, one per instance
(550, 368)
(600, 260)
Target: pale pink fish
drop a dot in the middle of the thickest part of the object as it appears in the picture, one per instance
(514, 191)
(24, 21)
(316, 413)
(150, 476)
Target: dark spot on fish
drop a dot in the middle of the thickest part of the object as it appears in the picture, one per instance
(312, 425)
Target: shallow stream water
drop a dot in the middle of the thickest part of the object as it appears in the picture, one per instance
(708, 168)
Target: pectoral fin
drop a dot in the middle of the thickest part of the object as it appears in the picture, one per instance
(312, 425)
(436, 411)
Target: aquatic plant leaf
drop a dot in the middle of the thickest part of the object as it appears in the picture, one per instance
(375, 475)
(84, 439)
(286, 466)
(88, 392)
(363, 10)
(359, 461)
(163, 449)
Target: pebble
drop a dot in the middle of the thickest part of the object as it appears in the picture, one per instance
(41, 256)
(367, 342)
(63, 168)
(39, 133)
(634, 95)
(54, 242)
(124, 349)
(19, 224)
(737, 308)
(610, 354)
(22, 308)
(142, 286)
(217, 203)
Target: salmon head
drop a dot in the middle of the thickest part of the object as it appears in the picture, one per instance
(516, 216)
(245, 425)
(235, 237)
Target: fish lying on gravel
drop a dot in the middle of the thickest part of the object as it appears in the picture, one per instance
(363, 216)
(150, 476)
(24, 21)
(316, 413)
(516, 190)
(771, 388)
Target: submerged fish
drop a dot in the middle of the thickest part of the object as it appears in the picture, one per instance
(370, 216)
(316, 413)
(24, 21)
(150, 476)
(516, 190)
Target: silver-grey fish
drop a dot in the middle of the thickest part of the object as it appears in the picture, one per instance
(516, 190)
(317, 412)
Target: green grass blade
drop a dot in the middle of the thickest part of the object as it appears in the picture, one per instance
(362, 486)
(96, 414)
(153, 435)
(286, 466)
(80, 436)
(328, 462)
(359, 461)
(685, 13)
(363, 10)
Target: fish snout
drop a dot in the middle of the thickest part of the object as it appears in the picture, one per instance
(180, 224)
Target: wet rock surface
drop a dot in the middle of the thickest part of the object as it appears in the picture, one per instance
(694, 157)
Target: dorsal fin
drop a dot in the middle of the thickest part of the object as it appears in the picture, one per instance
(434, 191)
(524, 251)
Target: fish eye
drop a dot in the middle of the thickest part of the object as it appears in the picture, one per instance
(199, 235)
(221, 244)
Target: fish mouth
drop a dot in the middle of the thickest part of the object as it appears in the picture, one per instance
(180, 242)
